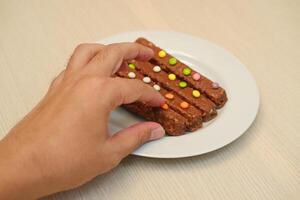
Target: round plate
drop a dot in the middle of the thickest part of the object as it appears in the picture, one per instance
(217, 64)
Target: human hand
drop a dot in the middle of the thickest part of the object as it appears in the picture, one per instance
(63, 142)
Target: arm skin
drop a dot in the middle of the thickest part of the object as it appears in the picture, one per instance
(63, 142)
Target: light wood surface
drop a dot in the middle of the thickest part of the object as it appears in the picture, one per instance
(37, 37)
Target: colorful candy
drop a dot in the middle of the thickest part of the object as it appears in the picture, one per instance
(165, 106)
(172, 61)
(156, 87)
(162, 54)
(131, 66)
(172, 77)
(215, 85)
(196, 93)
(131, 75)
(156, 68)
(146, 79)
(196, 76)
(182, 84)
(186, 71)
(169, 96)
(184, 104)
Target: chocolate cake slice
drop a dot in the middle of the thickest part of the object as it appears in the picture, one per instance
(169, 63)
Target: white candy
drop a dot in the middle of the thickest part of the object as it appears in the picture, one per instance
(131, 75)
(147, 79)
(215, 85)
(156, 68)
(156, 87)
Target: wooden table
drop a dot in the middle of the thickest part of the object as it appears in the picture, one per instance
(37, 37)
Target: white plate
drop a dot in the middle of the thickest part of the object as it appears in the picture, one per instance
(217, 64)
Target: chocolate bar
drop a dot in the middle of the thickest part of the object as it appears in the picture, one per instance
(173, 123)
(167, 62)
(191, 98)
(192, 115)
(181, 88)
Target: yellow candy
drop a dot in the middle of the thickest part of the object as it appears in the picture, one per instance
(196, 93)
(172, 77)
(162, 53)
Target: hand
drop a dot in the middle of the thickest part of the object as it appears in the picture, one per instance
(63, 142)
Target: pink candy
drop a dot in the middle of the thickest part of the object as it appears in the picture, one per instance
(196, 76)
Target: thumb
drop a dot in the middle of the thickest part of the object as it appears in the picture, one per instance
(127, 140)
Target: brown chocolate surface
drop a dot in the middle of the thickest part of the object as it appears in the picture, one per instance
(192, 115)
(185, 107)
(173, 123)
(217, 95)
(203, 103)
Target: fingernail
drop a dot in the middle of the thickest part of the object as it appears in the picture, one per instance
(157, 133)
(161, 99)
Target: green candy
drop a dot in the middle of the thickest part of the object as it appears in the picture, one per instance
(186, 71)
(131, 66)
(172, 61)
(182, 84)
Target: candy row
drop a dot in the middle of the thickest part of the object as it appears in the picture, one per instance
(146, 79)
(182, 84)
(168, 96)
(185, 71)
(183, 104)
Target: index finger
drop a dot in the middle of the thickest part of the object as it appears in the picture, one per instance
(109, 59)
(124, 91)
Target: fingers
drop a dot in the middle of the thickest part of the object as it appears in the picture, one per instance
(57, 80)
(104, 60)
(82, 54)
(123, 91)
(127, 140)
(108, 60)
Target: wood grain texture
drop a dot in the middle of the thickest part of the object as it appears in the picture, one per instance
(37, 37)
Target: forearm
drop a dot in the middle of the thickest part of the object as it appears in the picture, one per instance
(20, 177)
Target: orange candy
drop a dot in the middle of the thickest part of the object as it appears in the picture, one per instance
(184, 104)
(169, 96)
(165, 106)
